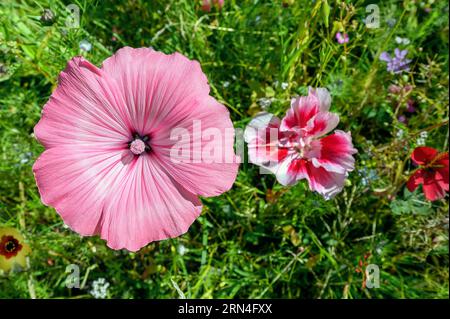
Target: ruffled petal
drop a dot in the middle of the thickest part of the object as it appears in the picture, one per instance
(302, 109)
(321, 124)
(423, 155)
(291, 169)
(85, 110)
(76, 183)
(432, 188)
(442, 171)
(159, 90)
(328, 184)
(323, 96)
(198, 152)
(415, 180)
(146, 205)
(336, 152)
(263, 137)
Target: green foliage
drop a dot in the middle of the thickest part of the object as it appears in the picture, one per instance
(260, 239)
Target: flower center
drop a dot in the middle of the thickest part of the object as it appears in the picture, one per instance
(139, 145)
(9, 246)
(306, 148)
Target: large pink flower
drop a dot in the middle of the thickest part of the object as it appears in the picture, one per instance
(296, 147)
(109, 166)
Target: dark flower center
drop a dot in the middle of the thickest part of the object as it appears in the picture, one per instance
(139, 144)
(9, 246)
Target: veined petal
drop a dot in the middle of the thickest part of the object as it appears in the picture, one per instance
(137, 99)
(76, 183)
(291, 170)
(146, 205)
(302, 109)
(84, 110)
(159, 90)
(336, 152)
(328, 184)
(321, 124)
(209, 165)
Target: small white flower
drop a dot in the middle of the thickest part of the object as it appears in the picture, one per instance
(265, 102)
(420, 141)
(404, 41)
(226, 84)
(85, 45)
(424, 134)
(284, 85)
(181, 249)
(400, 133)
(99, 288)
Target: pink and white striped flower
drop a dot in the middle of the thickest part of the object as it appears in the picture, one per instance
(297, 147)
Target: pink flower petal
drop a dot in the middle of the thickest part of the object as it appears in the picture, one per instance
(76, 182)
(304, 108)
(336, 152)
(324, 98)
(146, 205)
(321, 124)
(291, 170)
(159, 89)
(79, 111)
(328, 184)
(263, 137)
(211, 166)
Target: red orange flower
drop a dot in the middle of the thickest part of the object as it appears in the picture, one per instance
(432, 172)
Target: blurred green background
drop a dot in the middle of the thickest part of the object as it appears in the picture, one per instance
(259, 240)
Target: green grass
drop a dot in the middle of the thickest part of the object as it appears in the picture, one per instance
(260, 239)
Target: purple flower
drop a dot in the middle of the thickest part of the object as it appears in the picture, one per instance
(402, 119)
(410, 106)
(342, 38)
(398, 63)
